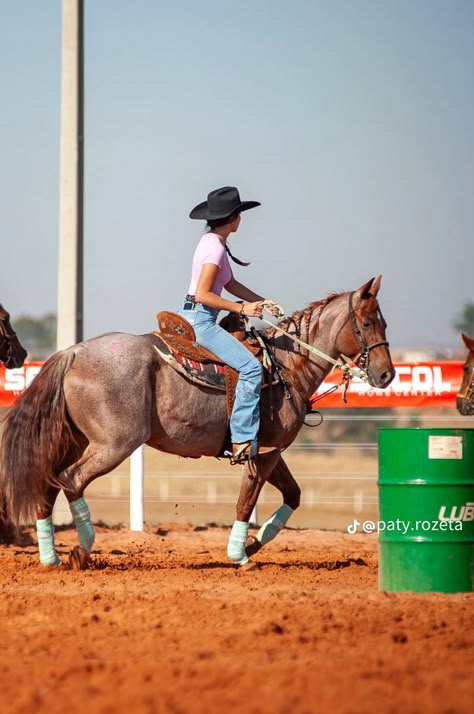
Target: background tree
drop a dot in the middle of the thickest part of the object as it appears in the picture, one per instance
(37, 334)
(465, 320)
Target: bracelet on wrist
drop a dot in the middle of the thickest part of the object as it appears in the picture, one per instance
(241, 309)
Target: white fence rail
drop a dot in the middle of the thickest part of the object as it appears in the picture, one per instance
(338, 480)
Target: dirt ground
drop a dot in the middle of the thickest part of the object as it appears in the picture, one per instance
(163, 623)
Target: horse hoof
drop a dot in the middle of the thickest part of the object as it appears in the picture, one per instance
(249, 566)
(57, 564)
(252, 546)
(78, 558)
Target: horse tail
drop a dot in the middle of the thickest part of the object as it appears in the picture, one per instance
(35, 439)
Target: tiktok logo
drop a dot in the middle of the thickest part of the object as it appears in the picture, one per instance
(352, 527)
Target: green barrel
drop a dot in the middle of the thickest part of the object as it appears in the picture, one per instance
(426, 510)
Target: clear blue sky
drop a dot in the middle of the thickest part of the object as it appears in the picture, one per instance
(352, 121)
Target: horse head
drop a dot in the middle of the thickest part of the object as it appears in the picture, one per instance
(465, 396)
(12, 353)
(362, 335)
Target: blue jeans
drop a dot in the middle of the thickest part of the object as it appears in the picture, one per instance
(245, 417)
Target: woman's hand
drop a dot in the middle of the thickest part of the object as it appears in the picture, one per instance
(273, 308)
(255, 309)
(252, 309)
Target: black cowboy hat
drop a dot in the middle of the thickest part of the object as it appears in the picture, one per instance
(221, 203)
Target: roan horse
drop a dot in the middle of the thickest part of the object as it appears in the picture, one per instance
(12, 354)
(94, 403)
(465, 396)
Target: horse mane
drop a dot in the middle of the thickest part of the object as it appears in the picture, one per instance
(304, 315)
(297, 319)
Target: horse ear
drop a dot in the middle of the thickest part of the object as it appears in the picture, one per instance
(370, 289)
(376, 286)
(468, 341)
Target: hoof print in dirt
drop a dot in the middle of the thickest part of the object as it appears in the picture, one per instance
(78, 558)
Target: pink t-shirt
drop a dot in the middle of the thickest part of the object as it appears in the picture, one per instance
(210, 250)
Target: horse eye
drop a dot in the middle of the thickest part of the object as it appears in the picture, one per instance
(366, 324)
(465, 368)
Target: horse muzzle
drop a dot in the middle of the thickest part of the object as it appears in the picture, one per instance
(16, 360)
(465, 406)
(380, 377)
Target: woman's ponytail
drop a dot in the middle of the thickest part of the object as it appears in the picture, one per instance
(217, 223)
(232, 257)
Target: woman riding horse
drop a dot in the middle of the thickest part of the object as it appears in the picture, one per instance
(211, 273)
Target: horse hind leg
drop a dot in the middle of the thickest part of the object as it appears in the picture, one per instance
(82, 520)
(283, 480)
(45, 530)
(96, 460)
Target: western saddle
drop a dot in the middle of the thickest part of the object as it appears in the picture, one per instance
(179, 343)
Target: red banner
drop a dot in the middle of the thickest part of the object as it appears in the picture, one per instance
(421, 384)
(14, 381)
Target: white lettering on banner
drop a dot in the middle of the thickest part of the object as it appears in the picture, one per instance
(423, 380)
(465, 513)
(16, 380)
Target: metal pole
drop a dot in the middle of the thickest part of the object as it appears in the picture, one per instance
(136, 490)
(70, 274)
(71, 203)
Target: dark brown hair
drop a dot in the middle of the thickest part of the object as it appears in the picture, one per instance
(217, 223)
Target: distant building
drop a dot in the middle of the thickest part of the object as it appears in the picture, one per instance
(420, 353)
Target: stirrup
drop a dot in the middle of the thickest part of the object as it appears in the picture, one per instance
(243, 452)
(248, 451)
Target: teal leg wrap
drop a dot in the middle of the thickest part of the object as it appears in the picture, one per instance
(236, 544)
(45, 534)
(275, 523)
(82, 520)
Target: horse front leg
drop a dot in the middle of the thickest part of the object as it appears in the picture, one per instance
(255, 473)
(283, 480)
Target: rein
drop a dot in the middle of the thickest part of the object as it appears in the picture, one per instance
(361, 360)
(343, 366)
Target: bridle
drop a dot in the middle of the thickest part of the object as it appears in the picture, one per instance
(468, 394)
(362, 358)
(6, 337)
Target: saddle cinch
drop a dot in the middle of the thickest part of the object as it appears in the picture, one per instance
(177, 345)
